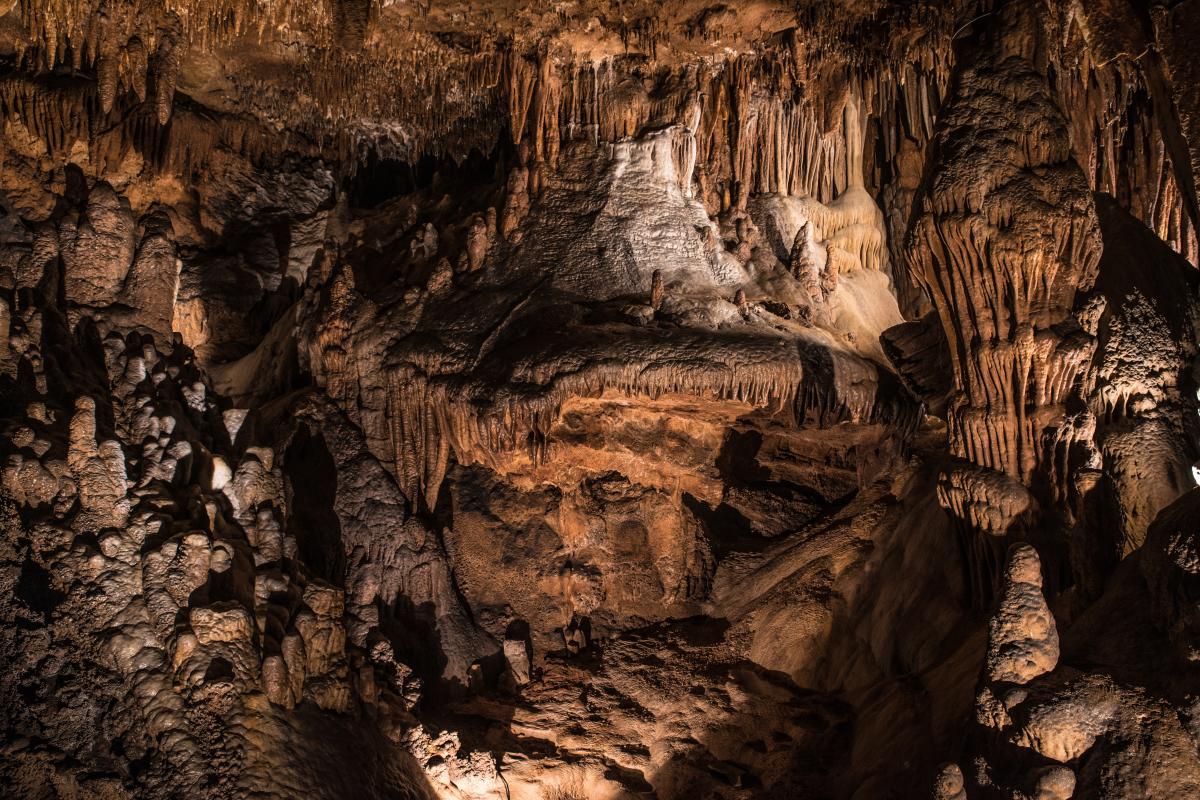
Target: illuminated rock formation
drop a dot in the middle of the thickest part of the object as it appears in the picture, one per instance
(599, 400)
(1006, 238)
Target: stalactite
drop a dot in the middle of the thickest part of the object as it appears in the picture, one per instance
(429, 416)
(136, 64)
(166, 73)
(107, 64)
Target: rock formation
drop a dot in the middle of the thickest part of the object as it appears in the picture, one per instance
(599, 400)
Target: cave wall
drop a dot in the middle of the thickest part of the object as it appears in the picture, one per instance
(613, 400)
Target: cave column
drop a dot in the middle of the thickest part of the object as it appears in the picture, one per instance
(1004, 240)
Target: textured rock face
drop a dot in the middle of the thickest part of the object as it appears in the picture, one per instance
(760, 400)
(1022, 637)
(1006, 239)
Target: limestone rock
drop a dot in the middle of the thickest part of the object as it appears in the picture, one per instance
(1022, 636)
(599, 399)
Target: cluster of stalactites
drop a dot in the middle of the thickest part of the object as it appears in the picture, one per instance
(1007, 236)
(139, 48)
(211, 23)
(1120, 122)
(771, 121)
(429, 420)
(379, 100)
(81, 31)
(128, 50)
(765, 123)
(63, 114)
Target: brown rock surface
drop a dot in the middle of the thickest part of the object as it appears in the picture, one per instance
(599, 399)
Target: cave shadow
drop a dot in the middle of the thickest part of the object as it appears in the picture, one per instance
(728, 531)
(311, 478)
(35, 590)
(413, 632)
(380, 180)
(349, 760)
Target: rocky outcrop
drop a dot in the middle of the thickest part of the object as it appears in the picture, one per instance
(1169, 561)
(606, 400)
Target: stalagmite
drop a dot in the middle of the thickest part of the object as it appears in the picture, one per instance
(1022, 636)
(97, 248)
(1007, 235)
(949, 784)
(998, 261)
(99, 471)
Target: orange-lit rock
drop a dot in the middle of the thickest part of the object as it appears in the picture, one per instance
(598, 400)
